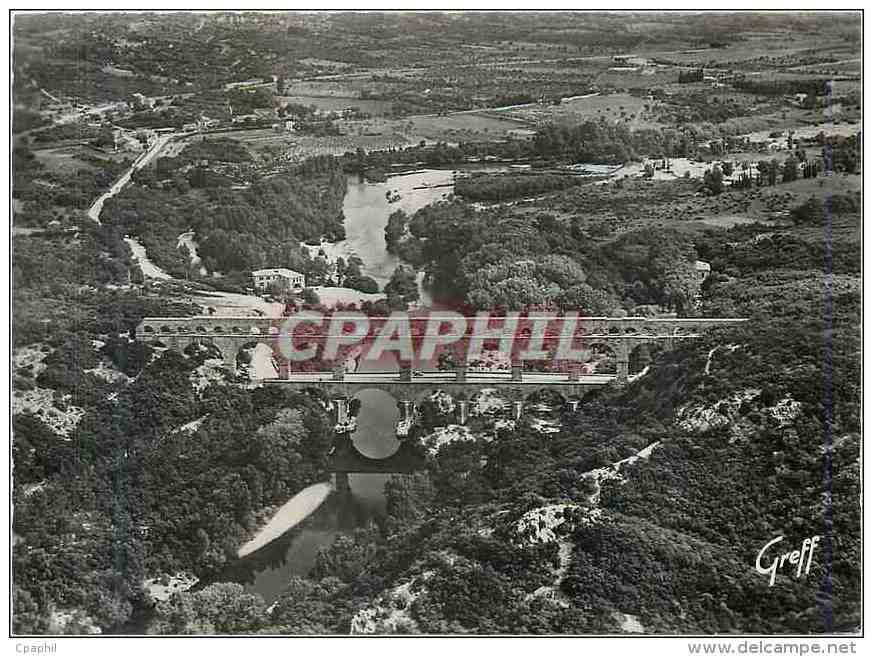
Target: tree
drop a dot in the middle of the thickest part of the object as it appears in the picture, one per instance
(713, 180)
(768, 171)
(789, 170)
(365, 284)
(773, 171)
(310, 297)
(222, 608)
(394, 229)
(403, 284)
(26, 615)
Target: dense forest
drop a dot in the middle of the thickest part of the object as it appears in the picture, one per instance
(49, 195)
(499, 188)
(486, 259)
(131, 493)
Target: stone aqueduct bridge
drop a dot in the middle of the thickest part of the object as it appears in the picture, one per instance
(230, 334)
(620, 334)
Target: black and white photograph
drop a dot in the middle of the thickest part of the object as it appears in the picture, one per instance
(435, 323)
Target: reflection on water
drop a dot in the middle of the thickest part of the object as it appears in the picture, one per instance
(267, 570)
(368, 491)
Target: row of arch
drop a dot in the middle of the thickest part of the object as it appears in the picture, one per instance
(183, 329)
(638, 357)
(232, 354)
(187, 330)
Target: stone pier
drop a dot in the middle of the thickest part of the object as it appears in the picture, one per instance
(407, 410)
(342, 409)
(463, 411)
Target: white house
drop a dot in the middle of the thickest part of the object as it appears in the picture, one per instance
(287, 279)
(702, 268)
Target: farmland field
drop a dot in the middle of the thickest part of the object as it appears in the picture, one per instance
(332, 103)
(62, 160)
(609, 106)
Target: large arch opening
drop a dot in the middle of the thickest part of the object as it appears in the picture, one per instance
(601, 359)
(256, 360)
(642, 356)
(436, 408)
(202, 350)
(545, 400)
(491, 403)
(377, 415)
(544, 408)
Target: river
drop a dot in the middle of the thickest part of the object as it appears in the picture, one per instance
(366, 210)
(268, 570)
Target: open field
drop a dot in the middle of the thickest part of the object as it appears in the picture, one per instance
(339, 103)
(787, 47)
(636, 77)
(325, 88)
(62, 160)
(296, 148)
(380, 134)
(846, 87)
(677, 203)
(458, 127)
(612, 107)
(793, 118)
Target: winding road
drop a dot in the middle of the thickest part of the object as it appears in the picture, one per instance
(97, 207)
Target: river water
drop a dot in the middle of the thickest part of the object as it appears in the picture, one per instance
(267, 570)
(366, 208)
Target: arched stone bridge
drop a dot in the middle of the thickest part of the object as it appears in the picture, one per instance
(228, 335)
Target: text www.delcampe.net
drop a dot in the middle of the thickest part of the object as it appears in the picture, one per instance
(762, 647)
